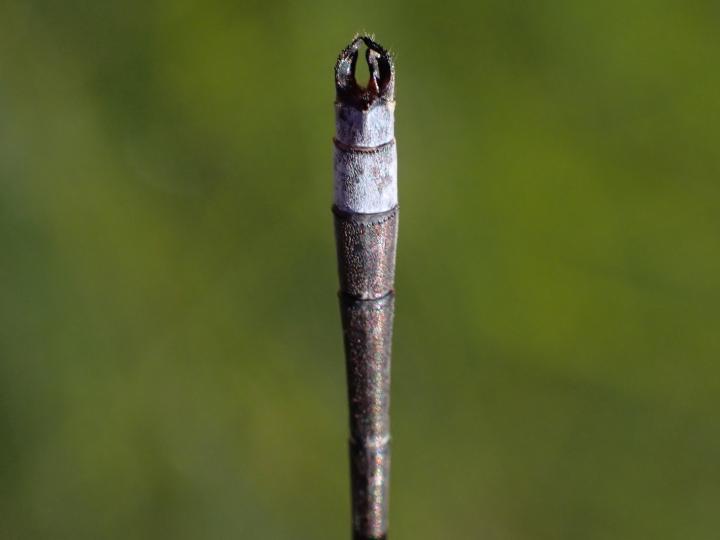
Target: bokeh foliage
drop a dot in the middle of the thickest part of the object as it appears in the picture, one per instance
(170, 350)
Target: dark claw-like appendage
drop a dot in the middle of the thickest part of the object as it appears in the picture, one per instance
(382, 74)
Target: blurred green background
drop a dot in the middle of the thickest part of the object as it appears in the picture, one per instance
(171, 359)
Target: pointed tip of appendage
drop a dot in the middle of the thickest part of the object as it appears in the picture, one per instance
(381, 84)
